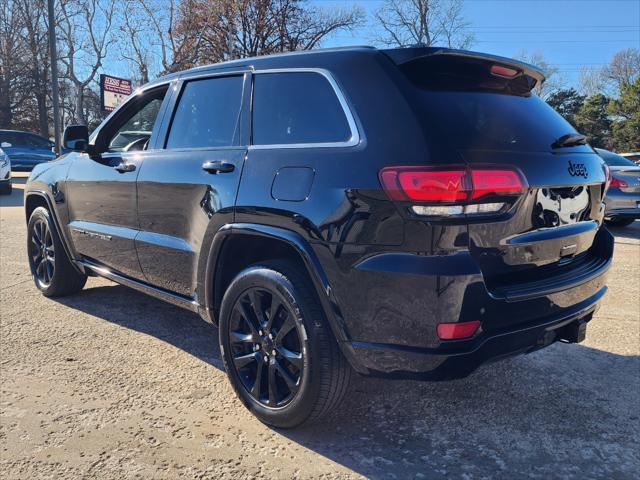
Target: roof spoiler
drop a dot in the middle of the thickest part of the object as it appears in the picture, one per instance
(405, 55)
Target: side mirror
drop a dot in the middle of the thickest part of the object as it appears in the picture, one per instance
(5, 145)
(76, 137)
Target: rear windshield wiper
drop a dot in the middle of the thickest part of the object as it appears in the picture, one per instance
(569, 140)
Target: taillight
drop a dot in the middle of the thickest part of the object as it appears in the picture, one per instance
(617, 183)
(457, 331)
(461, 189)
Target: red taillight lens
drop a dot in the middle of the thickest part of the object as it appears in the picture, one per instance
(457, 331)
(434, 186)
(495, 182)
(617, 183)
(458, 185)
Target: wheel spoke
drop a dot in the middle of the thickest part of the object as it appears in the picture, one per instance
(256, 305)
(274, 310)
(273, 386)
(257, 385)
(289, 379)
(49, 269)
(35, 240)
(40, 269)
(293, 358)
(247, 314)
(244, 360)
(286, 327)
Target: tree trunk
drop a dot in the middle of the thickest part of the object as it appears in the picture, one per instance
(6, 117)
(79, 118)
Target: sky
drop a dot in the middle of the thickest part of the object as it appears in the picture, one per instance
(569, 33)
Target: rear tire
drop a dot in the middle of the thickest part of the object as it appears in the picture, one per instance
(306, 389)
(619, 222)
(52, 271)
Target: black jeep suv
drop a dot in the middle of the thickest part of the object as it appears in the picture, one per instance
(410, 212)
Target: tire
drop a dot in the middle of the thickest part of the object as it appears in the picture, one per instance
(321, 375)
(51, 270)
(620, 222)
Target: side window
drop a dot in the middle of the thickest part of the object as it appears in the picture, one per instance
(37, 141)
(207, 113)
(297, 107)
(132, 129)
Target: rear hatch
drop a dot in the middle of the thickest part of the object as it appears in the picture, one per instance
(481, 111)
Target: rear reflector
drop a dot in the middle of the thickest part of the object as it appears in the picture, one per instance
(450, 186)
(457, 331)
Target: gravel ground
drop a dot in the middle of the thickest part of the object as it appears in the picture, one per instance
(110, 383)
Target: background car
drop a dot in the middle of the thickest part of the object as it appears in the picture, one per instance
(633, 156)
(623, 197)
(25, 149)
(5, 173)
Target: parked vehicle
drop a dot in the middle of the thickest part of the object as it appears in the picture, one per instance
(5, 173)
(411, 212)
(633, 156)
(25, 149)
(623, 197)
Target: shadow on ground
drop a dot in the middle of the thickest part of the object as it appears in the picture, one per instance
(566, 411)
(631, 231)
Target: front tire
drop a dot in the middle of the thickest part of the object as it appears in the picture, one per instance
(619, 222)
(279, 353)
(51, 269)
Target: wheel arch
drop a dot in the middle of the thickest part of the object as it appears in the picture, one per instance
(36, 198)
(253, 240)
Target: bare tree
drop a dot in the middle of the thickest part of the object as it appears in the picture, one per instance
(244, 28)
(591, 81)
(14, 67)
(623, 69)
(34, 20)
(553, 81)
(424, 22)
(86, 34)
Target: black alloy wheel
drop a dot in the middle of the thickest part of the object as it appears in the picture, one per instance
(42, 252)
(266, 347)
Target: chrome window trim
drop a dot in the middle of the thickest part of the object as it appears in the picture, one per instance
(355, 134)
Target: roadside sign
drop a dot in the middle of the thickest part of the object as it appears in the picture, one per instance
(113, 91)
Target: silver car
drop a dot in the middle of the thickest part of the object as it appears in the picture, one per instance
(623, 197)
(5, 173)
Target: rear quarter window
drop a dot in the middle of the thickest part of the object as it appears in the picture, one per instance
(297, 108)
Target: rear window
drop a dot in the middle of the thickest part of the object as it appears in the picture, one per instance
(297, 107)
(614, 160)
(461, 102)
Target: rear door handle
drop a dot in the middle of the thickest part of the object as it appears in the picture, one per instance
(218, 167)
(125, 167)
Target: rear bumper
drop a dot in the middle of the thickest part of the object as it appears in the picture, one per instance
(460, 358)
(393, 323)
(622, 205)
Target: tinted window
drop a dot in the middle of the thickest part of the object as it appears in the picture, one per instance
(207, 113)
(296, 108)
(137, 122)
(14, 138)
(37, 141)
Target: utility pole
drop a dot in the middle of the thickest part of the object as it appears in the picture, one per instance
(54, 75)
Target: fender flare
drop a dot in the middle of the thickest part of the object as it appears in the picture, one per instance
(56, 225)
(312, 265)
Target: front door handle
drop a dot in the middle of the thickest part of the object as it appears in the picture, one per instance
(218, 167)
(125, 167)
